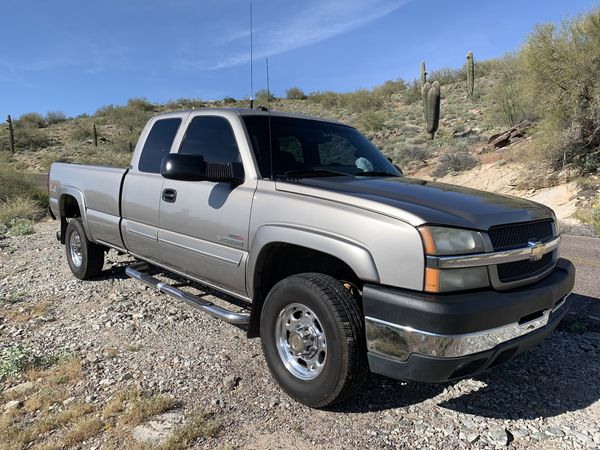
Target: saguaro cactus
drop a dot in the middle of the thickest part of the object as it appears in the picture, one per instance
(423, 74)
(11, 134)
(95, 135)
(470, 75)
(431, 107)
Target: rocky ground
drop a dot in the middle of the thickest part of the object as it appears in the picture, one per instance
(141, 366)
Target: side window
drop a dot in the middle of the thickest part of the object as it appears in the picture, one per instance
(211, 137)
(158, 144)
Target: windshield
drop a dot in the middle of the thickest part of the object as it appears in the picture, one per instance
(304, 147)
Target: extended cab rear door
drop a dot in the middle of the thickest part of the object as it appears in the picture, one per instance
(142, 188)
(204, 224)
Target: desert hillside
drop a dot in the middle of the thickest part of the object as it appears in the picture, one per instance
(494, 134)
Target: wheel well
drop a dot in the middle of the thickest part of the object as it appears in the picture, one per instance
(280, 260)
(68, 208)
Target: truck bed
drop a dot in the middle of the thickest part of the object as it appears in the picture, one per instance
(97, 190)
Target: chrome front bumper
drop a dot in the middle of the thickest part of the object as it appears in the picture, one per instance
(399, 342)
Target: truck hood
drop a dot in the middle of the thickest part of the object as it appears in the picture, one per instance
(419, 202)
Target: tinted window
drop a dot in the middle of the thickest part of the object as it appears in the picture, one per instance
(301, 145)
(211, 137)
(158, 144)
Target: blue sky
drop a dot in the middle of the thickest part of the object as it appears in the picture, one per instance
(75, 56)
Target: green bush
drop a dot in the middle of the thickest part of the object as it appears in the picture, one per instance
(507, 96)
(560, 81)
(82, 132)
(405, 155)
(263, 97)
(447, 75)
(26, 139)
(16, 360)
(229, 100)
(295, 93)
(454, 162)
(371, 121)
(53, 117)
(390, 87)
(412, 93)
(362, 100)
(326, 99)
(31, 120)
(140, 103)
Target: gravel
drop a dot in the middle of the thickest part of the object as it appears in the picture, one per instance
(130, 336)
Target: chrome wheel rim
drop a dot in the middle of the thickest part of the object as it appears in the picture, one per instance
(301, 342)
(75, 248)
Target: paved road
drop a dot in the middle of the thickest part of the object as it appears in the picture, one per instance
(584, 252)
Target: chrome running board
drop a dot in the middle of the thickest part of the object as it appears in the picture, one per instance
(137, 271)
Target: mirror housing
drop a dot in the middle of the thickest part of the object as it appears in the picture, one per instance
(189, 167)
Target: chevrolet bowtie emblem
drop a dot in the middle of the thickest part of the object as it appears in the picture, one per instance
(537, 250)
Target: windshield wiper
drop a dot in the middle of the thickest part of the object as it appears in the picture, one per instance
(301, 173)
(376, 173)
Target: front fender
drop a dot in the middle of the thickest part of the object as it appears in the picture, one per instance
(358, 258)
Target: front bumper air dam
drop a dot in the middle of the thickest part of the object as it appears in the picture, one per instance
(465, 333)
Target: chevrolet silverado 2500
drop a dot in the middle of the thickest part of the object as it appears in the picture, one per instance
(345, 265)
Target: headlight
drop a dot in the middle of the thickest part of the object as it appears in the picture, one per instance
(450, 241)
(442, 241)
(447, 280)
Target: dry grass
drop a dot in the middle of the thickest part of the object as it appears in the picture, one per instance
(82, 430)
(143, 407)
(19, 208)
(198, 425)
(22, 315)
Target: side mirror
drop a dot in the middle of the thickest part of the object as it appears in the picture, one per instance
(186, 167)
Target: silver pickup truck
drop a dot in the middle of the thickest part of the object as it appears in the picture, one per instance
(345, 265)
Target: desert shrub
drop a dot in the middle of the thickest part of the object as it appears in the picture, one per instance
(371, 121)
(326, 99)
(454, 162)
(508, 104)
(447, 75)
(140, 103)
(82, 132)
(27, 139)
(229, 100)
(53, 117)
(405, 155)
(19, 208)
(31, 120)
(16, 360)
(185, 103)
(263, 97)
(361, 100)
(412, 93)
(390, 87)
(295, 93)
(130, 118)
(560, 67)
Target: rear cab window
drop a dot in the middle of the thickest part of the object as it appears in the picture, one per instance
(158, 144)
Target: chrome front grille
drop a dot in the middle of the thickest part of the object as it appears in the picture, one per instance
(519, 270)
(518, 235)
(511, 236)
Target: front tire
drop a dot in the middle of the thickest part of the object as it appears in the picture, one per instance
(85, 258)
(313, 339)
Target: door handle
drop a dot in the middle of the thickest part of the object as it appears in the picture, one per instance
(169, 195)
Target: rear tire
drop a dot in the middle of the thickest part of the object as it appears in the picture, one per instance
(313, 339)
(85, 258)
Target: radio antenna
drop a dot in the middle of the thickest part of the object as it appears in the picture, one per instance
(269, 121)
(251, 59)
